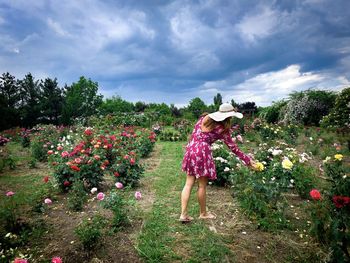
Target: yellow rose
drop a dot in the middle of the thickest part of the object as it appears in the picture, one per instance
(287, 164)
(259, 166)
(338, 157)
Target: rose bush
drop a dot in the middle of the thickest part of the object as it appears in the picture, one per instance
(330, 211)
(99, 152)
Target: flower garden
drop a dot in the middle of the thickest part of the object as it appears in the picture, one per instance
(90, 192)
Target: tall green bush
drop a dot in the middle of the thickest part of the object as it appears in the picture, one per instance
(340, 114)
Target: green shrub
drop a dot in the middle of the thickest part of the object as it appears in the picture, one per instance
(271, 114)
(304, 180)
(89, 231)
(339, 115)
(115, 202)
(77, 196)
(128, 174)
(9, 213)
(7, 161)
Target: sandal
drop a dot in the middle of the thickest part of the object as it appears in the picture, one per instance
(186, 219)
(209, 215)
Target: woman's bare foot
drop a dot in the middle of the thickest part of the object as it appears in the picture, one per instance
(185, 218)
(207, 215)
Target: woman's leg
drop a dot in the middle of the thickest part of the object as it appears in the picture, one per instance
(185, 195)
(202, 195)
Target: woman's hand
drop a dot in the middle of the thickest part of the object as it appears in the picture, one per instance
(256, 166)
(252, 165)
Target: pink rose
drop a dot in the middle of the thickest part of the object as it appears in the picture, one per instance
(100, 196)
(64, 154)
(138, 195)
(10, 193)
(48, 201)
(77, 160)
(59, 148)
(132, 161)
(119, 185)
(20, 260)
(50, 152)
(56, 260)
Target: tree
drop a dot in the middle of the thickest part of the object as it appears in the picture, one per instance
(309, 106)
(51, 100)
(9, 101)
(30, 94)
(339, 115)
(197, 107)
(81, 100)
(116, 104)
(274, 112)
(175, 111)
(217, 100)
(140, 106)
(234, 104)
(248, 106)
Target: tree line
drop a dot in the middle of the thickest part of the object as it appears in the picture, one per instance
(28, 101)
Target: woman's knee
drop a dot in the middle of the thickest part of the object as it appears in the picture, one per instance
(202, 183)
(190, 181)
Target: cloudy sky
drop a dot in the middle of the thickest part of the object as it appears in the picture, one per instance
(173, 51)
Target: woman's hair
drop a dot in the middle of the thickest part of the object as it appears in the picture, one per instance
(210, 124)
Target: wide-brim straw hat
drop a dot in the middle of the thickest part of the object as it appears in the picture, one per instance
(225, 110)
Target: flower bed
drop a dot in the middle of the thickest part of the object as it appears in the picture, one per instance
(96, 153)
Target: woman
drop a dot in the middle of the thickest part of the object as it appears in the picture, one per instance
(198, 161)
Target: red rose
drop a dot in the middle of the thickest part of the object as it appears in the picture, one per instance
(341, 201)
(126, 157)
(315, 194)
(50, 152)
(75, 168)
(66, 183)
(132, 161)
(46, 179)
(88, 132)
(116, 174)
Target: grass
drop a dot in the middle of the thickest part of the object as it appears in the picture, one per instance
(163, 238)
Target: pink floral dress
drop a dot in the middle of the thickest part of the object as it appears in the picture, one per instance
(198, 160)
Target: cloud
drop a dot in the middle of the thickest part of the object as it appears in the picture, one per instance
(173, 51)
(276, 85)
(56, 27)
(258, 25)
